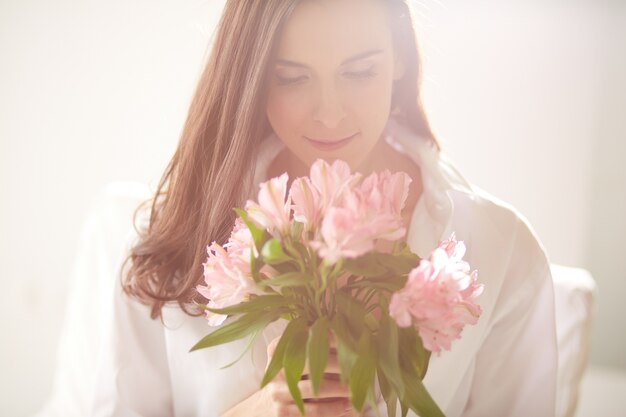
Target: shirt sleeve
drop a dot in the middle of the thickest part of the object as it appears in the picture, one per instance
(516, 366)
(131, 370)
(133, 375)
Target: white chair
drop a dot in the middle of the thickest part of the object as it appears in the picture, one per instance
(103, 243)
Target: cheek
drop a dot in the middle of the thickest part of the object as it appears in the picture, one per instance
(286, 111)
(371, 102)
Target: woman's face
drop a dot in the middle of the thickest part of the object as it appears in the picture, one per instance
(332, 79)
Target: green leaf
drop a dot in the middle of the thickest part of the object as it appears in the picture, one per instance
(243, 326)
(372, 400)
(363, 371)
(296, 230)
(404, 409)
(383, 383)
(302, 250)
(317, 351)
(366, 266)
(288, 279)
(272, 252)
(405, 251)
(346, 347)
(397, 264)
(398, 280)
(380, 264)
(289, 265)
(341, 328)
(413, 364)
(255, 303)
(418, 398)
(253, 339)
(413, 355)
(387, 285)
(256, 232)
(255, 267)
(354, 312)
(371, 322)
(388, 393)
(388, 351)
(276, 363)
(423, 357)
(293, 361)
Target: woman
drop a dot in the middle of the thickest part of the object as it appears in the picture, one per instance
(290, 81)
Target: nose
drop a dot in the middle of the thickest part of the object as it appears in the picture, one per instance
(329, 111)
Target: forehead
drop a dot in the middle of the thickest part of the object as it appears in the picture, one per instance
(325, 32)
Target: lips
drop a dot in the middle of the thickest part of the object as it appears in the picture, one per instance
(330, 145)
(330, 141)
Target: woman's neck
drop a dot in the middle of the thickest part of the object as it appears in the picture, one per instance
(380, 158)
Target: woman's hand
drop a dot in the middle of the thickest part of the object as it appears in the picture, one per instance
(333, 398)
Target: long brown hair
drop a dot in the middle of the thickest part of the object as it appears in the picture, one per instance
(212, 168)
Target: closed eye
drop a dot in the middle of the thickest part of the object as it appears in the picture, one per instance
(290, 80)
(368, 73)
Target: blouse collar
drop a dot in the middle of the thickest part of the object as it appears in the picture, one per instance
(432, 219)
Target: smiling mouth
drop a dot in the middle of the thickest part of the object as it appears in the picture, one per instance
(330, 145)
(330, 141)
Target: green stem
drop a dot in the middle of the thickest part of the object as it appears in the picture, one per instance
(372, 307)
(371, 292)
(396, 243)
(294, 254)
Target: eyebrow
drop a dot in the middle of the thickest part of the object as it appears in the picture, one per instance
(356, 57)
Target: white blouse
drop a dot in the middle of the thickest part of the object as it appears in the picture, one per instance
(506, 365)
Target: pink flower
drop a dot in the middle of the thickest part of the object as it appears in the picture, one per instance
(240, 243)
(364, 214)
(387, 192)
(384, 196)
(455, 251)
(331, 181)
(307, 204)
(272, 212)
(227, 273)
(344, 234)
(438, 298)
(227, 276)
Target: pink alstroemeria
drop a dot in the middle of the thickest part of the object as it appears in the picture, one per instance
(306, 203)
(454, 249)
(331, 181)
(366, 213)
(384, 196)
(227, 273)
(343, 235)
(272, 212)
(228, 281)
(438, 298)
(240, 243)
(386, 191)
(456, 252)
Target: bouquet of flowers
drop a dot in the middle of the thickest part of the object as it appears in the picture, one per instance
(308, 255)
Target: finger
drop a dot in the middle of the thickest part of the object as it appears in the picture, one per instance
(332, 341)
(271, 347)
(339, 408)
(329, 389)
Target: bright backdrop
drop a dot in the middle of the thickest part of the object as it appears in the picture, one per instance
(528, 98)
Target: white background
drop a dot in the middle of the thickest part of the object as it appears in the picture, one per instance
(528, 98)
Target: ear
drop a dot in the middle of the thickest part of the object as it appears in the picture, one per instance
(398, 69)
